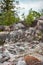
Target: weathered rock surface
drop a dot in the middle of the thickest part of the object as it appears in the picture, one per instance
(40, 23)
(21, 42)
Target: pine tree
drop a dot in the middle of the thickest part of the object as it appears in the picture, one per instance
(8, 15)
(32, 15)
(7, 5)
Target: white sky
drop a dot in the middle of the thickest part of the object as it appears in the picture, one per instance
(26, 5)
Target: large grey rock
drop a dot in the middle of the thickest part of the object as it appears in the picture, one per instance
(21, 62)
(40, 23)
(2, 28)
(30, 31)
(16, 35)
(41, 18)
(29, 38)
(7, 28)
(16, 26)
(4, 35)
(41, 45)
(4, 56)
(19, 26)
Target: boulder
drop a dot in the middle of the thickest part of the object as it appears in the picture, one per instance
(41, 18)
(7, 28)
(4, 36)
(18, 26)
(41, 45)
(2, 28)
(21, 62)
(4, 57)
(30, 60)
(16, 35)
(40, 23)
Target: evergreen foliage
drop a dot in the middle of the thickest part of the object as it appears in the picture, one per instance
(8, 16)
(31, 17)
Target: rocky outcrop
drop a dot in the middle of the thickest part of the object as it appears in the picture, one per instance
(20, 42)
(2, 28)
(29, 60)
(4, 36)
(40, 23)
(4, 56)
(16, 26)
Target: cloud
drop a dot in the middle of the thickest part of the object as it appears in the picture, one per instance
(26, 5)
(34, 5)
